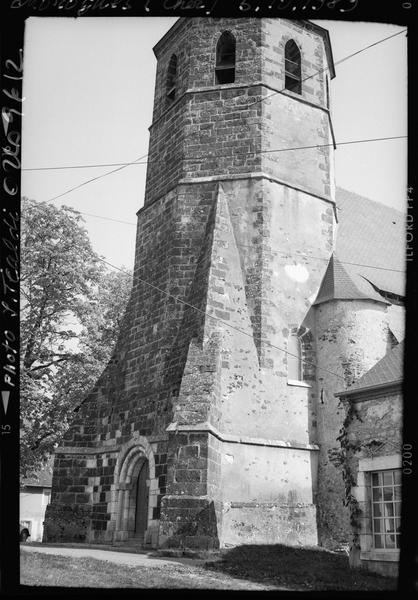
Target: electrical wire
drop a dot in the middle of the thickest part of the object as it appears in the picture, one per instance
(251, 246)
(221, 320)
(262, 99)
(209, 156)
(96, 178)
(124, 165)
(271, 150)
(341, 60)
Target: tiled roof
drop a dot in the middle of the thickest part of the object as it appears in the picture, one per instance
(338, 284)
(370, 251)
(370, 233)
(388, 370)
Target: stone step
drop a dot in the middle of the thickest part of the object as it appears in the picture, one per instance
(134, 544)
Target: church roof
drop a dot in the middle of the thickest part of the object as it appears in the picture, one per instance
(339, 285)
(370, 251)
(387, 371)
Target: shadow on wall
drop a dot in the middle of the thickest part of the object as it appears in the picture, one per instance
(308, 568)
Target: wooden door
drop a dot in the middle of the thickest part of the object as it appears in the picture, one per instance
(142, 492)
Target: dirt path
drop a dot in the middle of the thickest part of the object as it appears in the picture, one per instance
(147, 571)
(121, 558)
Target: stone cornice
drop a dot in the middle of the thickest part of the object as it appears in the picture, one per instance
(102, 449)
(239, 439)
(236, 177)
(240, 86)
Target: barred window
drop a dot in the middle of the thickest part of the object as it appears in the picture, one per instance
(225, 59)
(386, 508)
(292, 67)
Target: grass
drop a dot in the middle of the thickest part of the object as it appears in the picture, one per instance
(298, 568)
(39, 569)
(243, 568)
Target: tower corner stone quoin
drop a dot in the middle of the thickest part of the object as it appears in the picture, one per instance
(193, 436)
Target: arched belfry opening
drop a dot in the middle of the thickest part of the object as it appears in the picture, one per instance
(293, 67)
(225, 58)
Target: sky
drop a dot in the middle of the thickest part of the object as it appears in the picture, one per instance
(89, 90)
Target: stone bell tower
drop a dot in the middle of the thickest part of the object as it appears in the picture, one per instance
(201, 432)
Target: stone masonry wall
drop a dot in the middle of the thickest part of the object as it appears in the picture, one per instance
(218, 235)
(376, 432)
(312, 168)
(135, 392)
(191, 511)
(352, 336)
(275, 34)
(221, 129)
(230, 380)
(234, 378)
(267, 494)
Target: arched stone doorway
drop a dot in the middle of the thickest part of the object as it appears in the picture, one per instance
(141, 500)
(136, 491)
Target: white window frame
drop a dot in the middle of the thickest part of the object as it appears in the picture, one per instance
(382, 518)
(295, 358)
(362, 493)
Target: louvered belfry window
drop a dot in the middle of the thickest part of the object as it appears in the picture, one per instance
(292, 68)
(225, 59)
(172, 78)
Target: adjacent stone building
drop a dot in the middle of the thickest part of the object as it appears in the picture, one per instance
(372, 443)
(34, 497)
(259, 291)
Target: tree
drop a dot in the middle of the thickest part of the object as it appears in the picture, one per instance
(71, 307)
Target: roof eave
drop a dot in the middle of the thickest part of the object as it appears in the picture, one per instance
(328, 48)
(166, 36)
(362, 391)
(336, 298)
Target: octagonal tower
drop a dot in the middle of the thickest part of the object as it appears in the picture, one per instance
(201, 430)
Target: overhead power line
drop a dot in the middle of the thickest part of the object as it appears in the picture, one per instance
(265, 98)
(270, 151)
(146, 162)
(343, 262)
(304, 360)
(341, 60)
(225, 323)
(95, 178)
(106, 218)
(124, 165)
(249, 246)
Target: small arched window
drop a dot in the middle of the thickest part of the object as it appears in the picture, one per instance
(171, 78)
(225, 59)
(294, 358)
(292, 67)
